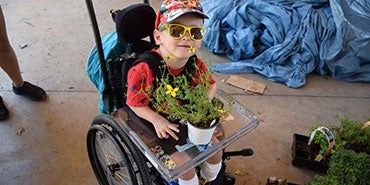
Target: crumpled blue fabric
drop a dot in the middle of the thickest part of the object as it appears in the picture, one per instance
(286, 40)
(112, 49)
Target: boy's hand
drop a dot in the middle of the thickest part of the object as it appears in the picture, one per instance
(164, 129)
(161, 124)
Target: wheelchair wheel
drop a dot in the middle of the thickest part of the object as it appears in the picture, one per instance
(113, 156)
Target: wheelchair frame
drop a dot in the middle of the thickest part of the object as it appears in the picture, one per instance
(116, 151)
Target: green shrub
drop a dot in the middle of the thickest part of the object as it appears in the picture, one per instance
(352, 132)
(346, 167)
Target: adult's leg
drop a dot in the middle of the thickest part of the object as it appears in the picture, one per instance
(8, 59)
(9, 63)
(4, 112)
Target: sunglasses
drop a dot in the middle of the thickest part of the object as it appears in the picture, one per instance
(178, 31)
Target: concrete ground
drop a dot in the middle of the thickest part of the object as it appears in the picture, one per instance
(52, 40)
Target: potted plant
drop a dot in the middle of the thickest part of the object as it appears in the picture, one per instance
(313, 152)
(349, 164)
(176, 99)
(349, 135)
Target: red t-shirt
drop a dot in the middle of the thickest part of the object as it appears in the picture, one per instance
(140, 77)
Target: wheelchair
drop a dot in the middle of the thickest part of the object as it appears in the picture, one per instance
(122, 148)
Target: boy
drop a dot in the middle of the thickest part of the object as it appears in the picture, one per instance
(178, 34)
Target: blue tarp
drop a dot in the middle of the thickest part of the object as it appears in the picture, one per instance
(285, 40)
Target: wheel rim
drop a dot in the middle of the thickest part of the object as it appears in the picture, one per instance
(115, 159)
(113, 162)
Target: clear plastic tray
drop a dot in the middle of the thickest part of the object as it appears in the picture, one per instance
(144, 137)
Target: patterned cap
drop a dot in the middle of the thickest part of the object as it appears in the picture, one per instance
(173, 9)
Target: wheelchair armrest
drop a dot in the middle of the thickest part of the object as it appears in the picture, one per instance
(139, 126)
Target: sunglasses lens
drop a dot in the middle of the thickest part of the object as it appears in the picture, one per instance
(177, 31)
(196, 33)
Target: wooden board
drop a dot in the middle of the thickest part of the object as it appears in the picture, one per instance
(247, 85)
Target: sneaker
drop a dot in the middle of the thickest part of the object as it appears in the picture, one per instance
(4, 112)
(31, 91)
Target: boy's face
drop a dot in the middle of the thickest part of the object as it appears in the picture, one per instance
(179, 48)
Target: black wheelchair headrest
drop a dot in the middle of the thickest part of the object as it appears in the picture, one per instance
(135, 22)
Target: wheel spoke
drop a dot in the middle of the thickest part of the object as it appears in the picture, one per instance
(113, 156)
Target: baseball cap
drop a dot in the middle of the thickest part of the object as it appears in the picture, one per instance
(170, 10)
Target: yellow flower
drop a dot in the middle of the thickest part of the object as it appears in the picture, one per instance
(192, 50)
(221, 111)
(171, 90)
(237, 172)
(169, 57)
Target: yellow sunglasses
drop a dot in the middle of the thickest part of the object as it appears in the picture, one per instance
(178, 31)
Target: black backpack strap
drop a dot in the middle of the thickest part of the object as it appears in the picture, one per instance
(153, 60)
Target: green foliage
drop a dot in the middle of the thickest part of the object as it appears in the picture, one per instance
(352, 131)
(177, 99)
(346, 167)
(323, 142)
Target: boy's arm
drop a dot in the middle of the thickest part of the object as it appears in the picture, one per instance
(162, 126)
(212, 91)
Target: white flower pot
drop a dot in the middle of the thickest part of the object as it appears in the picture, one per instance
(200, 136)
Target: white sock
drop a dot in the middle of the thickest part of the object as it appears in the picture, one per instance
(193, 181)
(210, 171)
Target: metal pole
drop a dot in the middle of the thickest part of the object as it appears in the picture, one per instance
(107, 89)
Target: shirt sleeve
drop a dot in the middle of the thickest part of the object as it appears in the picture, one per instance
(139, 85)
